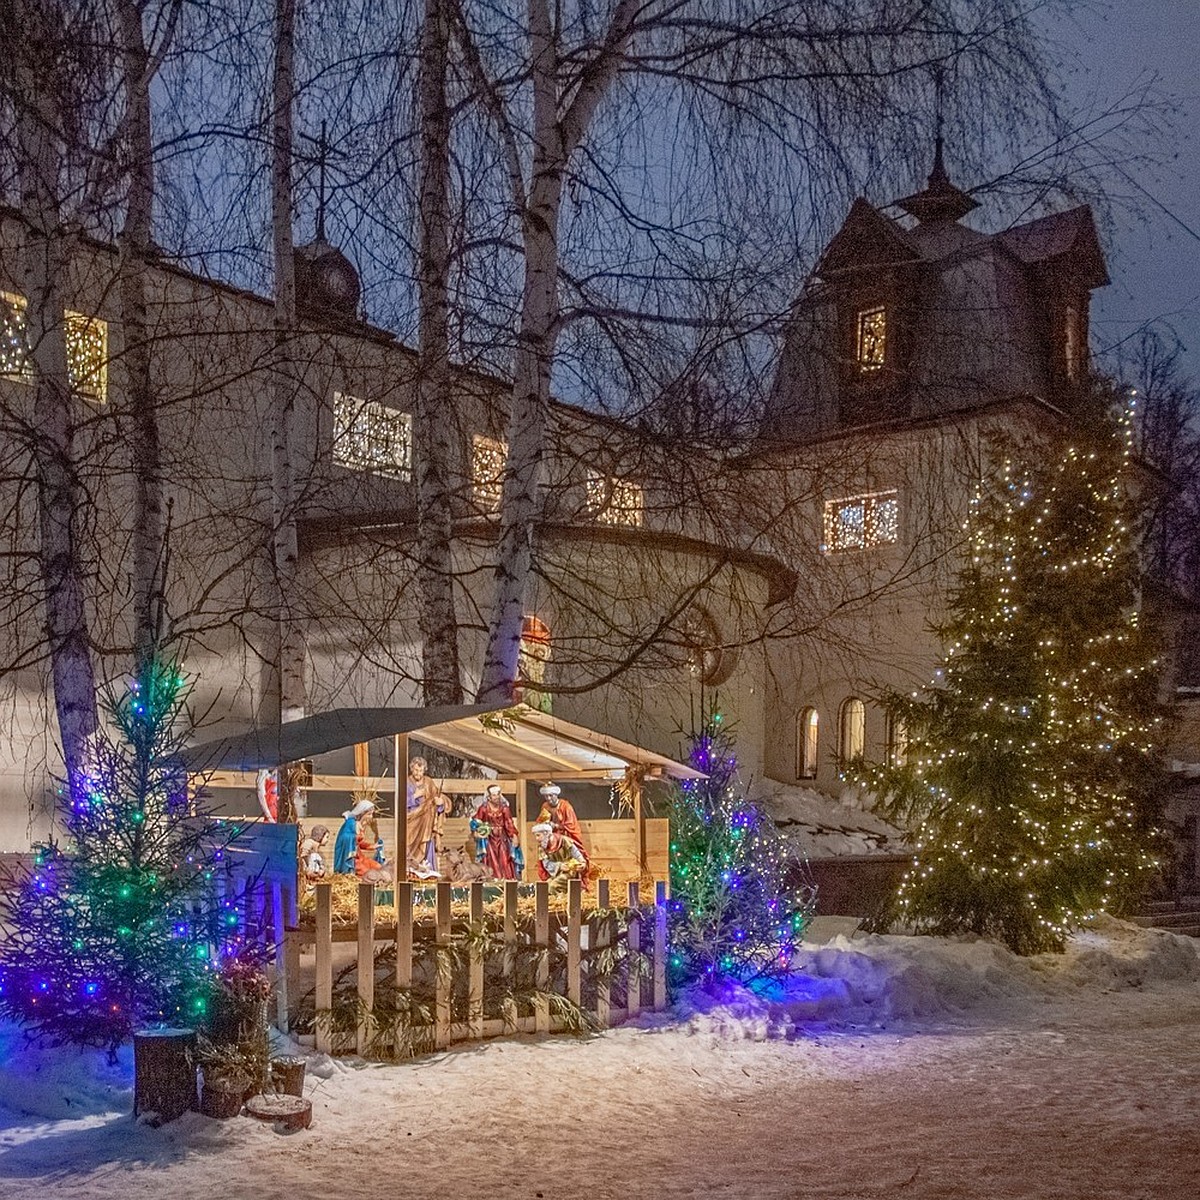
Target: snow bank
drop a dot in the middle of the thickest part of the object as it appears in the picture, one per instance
(818, 826)
(865, 983)
(61, 1082)
(884, 981)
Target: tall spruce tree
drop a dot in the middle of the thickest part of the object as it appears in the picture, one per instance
(738, 905)
(1030, 784)
(119, 925)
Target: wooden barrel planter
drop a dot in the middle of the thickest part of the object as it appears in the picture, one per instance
(287, 1113)
(287, 1076)
(222, 1097)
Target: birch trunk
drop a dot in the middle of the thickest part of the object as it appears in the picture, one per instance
(286, 642)
(136, 249)
(555, 139)
(59, 494)
(441, 682)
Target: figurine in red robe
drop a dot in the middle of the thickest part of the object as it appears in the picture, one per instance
(560, 816)
(495, 816)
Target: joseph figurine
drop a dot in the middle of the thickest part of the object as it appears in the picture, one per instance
(426, 816)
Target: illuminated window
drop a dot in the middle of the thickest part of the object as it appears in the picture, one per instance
(531, 664)
(489, 457)
(857, 522)
(897, 741)
(87, 355)
(852, 730)
(615, 501)
(707, 658)
(14, 345)
(870, 345)
(368, 436)
(806, 744)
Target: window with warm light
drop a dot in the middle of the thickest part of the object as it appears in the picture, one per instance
(87, 355)
(858, 522)
(807, 728)
(614, 501)
(852, 731)
(15, 362)
(369, 436)
(489, 457)
(870, 340)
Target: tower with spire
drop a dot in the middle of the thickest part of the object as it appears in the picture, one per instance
(919, 315)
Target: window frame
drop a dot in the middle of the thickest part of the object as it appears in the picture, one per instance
(870, 367)
(852, 708)
(808, 742)
(870, 504)
(367, 410)
(487, 491)
(615, 500)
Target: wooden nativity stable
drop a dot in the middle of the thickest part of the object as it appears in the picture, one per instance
(520, 748)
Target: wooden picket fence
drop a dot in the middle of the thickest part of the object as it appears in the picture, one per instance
(611, 963)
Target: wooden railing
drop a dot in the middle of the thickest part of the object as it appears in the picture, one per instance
(584, 961)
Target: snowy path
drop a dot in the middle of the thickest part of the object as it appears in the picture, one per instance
(1083, 1092)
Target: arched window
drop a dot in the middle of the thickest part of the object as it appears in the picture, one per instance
(806, 743)
(852, 730)
(897, 740)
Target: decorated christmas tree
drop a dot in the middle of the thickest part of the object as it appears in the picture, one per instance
(118, 925)
(1030, 783)
(737, 908)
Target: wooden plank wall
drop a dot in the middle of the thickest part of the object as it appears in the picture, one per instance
(611, 845)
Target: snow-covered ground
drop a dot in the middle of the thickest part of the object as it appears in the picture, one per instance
(891, 1067)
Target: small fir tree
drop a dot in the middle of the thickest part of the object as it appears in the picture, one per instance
(737, 906)
(1030, 779)
(118, 926)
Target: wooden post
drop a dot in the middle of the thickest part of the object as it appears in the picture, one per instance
(362, 761)
(443, 981)
(574, 924)
(541, 939)
(400, 806)
(660, 946)
(639, 817)
(523, 824)
(633, 976)
(291, 969)
(366, 963)
(510, 943)
(475, 966)
(404, 944)
(324, 956)
(601, 926)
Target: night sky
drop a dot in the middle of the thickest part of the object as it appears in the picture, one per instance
(1154, 257)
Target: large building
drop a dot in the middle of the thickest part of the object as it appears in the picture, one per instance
(796, 578)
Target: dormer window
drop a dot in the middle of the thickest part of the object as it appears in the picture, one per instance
(1072, 342)
(870, 341)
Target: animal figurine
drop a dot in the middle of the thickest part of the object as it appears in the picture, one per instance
(461, 868)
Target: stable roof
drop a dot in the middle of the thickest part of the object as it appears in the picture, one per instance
(517, 742)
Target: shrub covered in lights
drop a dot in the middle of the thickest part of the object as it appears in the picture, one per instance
(734, 912)
(1030, 780)
(119, 925)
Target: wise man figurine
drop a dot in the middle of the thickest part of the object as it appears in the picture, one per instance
(559, 814)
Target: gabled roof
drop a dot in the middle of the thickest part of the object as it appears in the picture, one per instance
(866, 239)
(518, 741)
(1048, 238)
